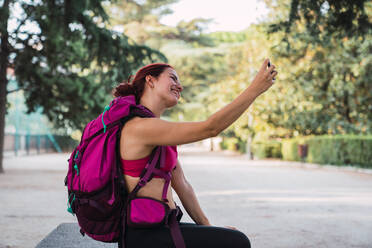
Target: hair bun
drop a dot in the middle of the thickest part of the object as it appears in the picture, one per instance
(124, 89)
(135, 85)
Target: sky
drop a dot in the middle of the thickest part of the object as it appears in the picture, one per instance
(231, 15)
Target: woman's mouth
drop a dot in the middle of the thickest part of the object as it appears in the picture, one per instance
(176, 93)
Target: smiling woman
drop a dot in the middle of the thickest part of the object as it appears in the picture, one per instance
(157, 87)
(143, 85)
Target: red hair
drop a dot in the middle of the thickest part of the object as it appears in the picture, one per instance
(137, 86)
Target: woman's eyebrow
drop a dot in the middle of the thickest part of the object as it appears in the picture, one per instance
(174, 76)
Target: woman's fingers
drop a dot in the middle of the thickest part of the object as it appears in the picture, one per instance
(272, 68)
(264, 78)
(266, 68)
(264, 65)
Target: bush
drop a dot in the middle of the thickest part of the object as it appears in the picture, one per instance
(242, 146)
(233, 144)
(325, 149)
(230, 143)
(267, 149)
(332, 149)
(223, 144)
(341, 149)
(289, 149)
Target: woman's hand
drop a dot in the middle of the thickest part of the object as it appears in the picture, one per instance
(264, 78)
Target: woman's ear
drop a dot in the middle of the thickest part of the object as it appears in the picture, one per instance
(149, 81)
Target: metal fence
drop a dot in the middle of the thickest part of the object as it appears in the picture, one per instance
(20, 144)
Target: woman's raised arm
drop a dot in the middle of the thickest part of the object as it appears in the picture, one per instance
(155, 131)
(232, 111)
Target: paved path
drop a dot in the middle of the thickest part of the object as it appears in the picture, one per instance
(275, 203)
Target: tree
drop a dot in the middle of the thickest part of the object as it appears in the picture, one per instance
(327, 47)
(324, 19)
(198, 73)
(141, 21)
(64, 58)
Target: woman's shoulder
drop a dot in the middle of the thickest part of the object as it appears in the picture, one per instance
(132, 122)
(136, 120)
(130, 141)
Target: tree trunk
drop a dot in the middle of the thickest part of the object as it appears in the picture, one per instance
(3, 84)
(4, 54)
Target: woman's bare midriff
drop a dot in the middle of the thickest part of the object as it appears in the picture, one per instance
(131, 150)
(154, 189)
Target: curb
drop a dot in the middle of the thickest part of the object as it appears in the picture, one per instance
(347, 168)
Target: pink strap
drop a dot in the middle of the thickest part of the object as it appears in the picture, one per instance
(150, 169)
(175, 230)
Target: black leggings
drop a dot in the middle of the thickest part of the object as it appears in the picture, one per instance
(193, 234)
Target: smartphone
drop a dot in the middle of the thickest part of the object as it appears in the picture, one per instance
(268, 64)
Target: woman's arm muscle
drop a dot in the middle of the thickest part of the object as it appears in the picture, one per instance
(187, 196)
(155, 131)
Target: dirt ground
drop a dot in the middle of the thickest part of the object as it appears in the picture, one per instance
(275, 203)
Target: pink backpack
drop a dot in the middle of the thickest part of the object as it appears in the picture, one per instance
(97, 194)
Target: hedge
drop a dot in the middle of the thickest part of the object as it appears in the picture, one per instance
(267, 149)
(332, 149)
(233, 144)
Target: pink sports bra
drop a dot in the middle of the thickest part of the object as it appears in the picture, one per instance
(134, 167)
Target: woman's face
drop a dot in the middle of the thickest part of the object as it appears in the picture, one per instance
(168, 87)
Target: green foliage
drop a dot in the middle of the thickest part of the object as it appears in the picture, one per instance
(233, 143)
(69, 63)
(339, 150)
(141, 22)
(331, 86)
(129, 11)
(321, 88)
(327, 79)
(192, 32)
(267, 149)
(332, 149)
(229, 37)
(325, 19)
(289, 149)
(242, 146)
(198, 74)
(230, 143)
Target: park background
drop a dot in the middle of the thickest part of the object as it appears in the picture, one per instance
(62, 76)
(61, 59)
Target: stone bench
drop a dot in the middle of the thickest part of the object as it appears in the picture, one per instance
(67, 235)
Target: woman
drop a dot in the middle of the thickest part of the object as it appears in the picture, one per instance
(157, 87)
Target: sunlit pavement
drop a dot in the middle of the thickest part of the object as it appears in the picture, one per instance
(275, 203)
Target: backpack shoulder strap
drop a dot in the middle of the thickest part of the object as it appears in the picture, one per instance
(150, 169)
